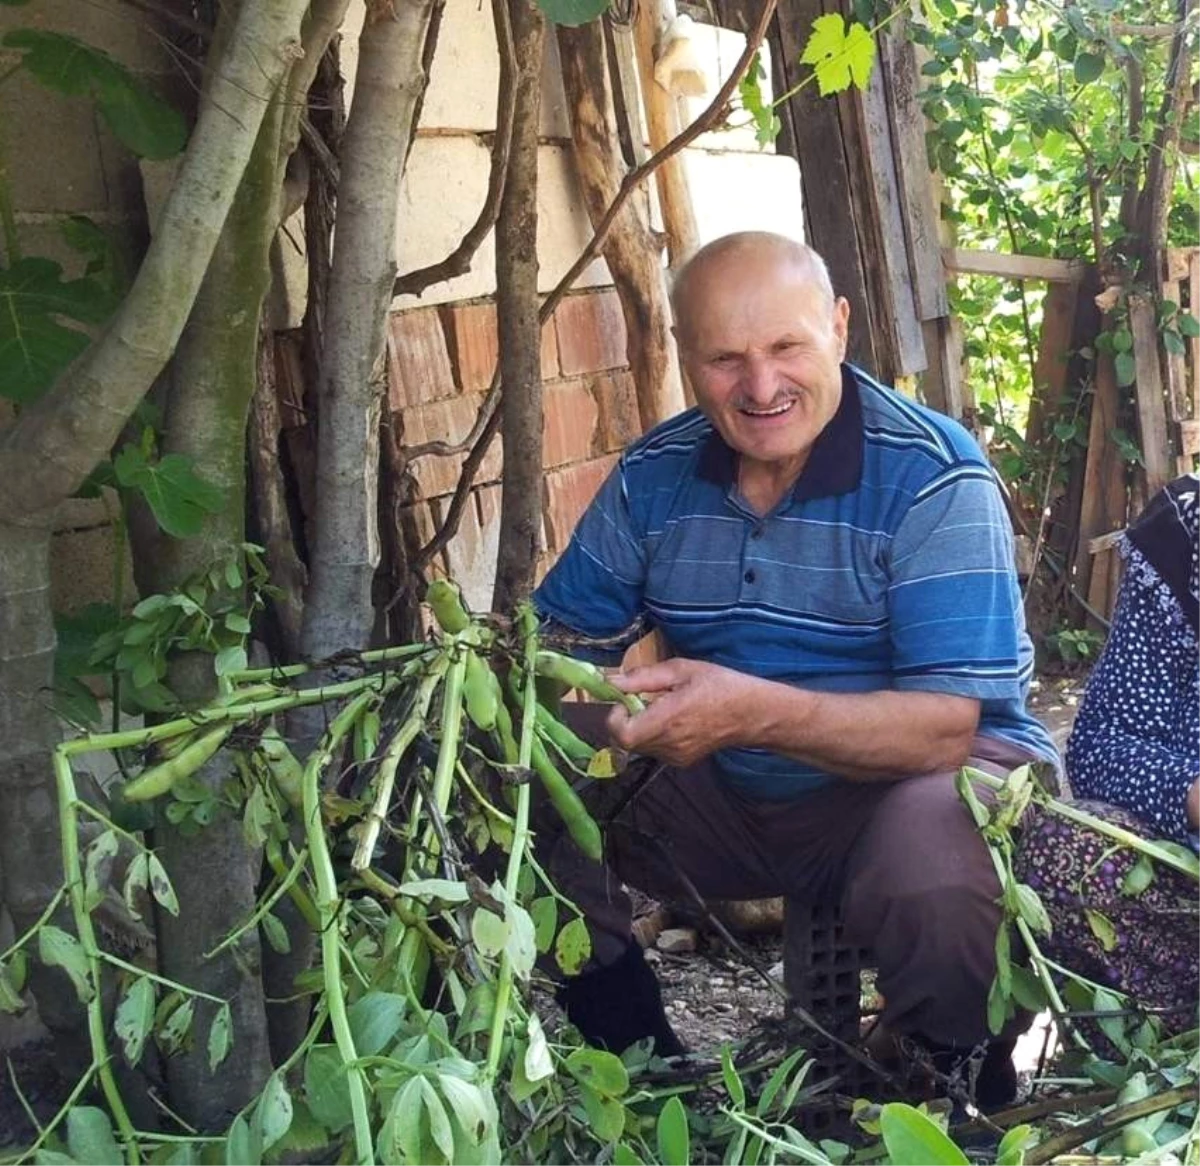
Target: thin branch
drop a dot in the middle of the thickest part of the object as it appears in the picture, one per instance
(486, 422)
(458, 262)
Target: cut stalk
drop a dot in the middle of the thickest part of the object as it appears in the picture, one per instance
(287, 671)
(73, 872)
(328, 909)
(389, 763)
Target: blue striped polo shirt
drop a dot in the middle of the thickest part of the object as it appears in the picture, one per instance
(888, 565)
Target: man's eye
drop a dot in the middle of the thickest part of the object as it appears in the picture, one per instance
(725, 358)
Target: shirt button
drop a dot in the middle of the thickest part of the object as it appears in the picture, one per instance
(750, 576)
(757, 532)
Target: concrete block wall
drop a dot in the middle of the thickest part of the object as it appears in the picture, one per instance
(441, 361)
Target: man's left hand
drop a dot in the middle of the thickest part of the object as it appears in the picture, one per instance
(695, 709)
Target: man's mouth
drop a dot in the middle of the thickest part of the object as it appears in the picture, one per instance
(771, 411)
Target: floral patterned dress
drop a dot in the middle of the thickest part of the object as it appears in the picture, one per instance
(1133, 754)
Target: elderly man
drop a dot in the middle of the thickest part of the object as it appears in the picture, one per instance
(831, 567)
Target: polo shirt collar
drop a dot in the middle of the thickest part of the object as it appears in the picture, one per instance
(834, 465)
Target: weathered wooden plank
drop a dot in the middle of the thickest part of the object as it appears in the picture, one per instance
(1194, 343)
(1050, 368)
(921, 219)
(825, 177)
(942, 385)
(1102, 501)
(881, 202)
(1151, 404)
(1012, 266)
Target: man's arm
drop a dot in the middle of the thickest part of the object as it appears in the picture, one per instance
(698, 708)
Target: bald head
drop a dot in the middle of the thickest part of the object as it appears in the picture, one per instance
(747, 253)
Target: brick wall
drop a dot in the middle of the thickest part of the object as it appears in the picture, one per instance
(441, 361)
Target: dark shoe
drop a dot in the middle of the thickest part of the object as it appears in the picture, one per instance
(619, 1004)
(995, 1084)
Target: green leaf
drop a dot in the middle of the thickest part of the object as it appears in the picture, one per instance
(912, 1139)
(1188, 324)
(544, 913)
(97, 862)
(537, 1062)
(488, 931)
(521, 945)
(173, 1034)
(231, 659)
(1138, 877)
(36, 309)
(375, 1020)
(477, 1011)
(90, 1137)
(220, 1033)
(1102, 928)
(1004, 958)
(276, 934)
(400, 1137)
(1088, 66)
(160, 884)
(624, 1156)
(1011, 1151)
(243, 1145)
(839, 56)
(1032, 910)
(1126, 369)
(572, 13)
(135, 1018)
(733, 1083)
(1173, 343)
(573, 947)
(599, 1070)
(606, 1115)
(58, 949)
(273, 1114)
(10, 991)
(474, 1108)
(1027, 990)
(440, 1128)
(998, 1007)
(178, 498)
(674, 1140)
(448, 890)
(141, 120)
(326, 1088)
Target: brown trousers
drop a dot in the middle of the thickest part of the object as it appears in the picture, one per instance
(914, 880)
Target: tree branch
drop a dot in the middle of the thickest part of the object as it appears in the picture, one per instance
(458, 262)
(486, 422)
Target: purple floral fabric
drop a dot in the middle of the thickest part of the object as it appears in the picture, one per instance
(1155, 958)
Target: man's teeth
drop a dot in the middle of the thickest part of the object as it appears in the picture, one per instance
(769, 412)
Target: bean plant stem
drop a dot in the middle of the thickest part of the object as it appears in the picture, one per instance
(174, 985)
(520, 839)
(328, 909)
(42, 919)
(296, 870)
(287, 671)
(73, 874)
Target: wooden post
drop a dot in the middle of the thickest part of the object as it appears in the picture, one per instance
(632, 252)
(1103, 502)
(1050, 369)
(1151, 406)
(662, 124)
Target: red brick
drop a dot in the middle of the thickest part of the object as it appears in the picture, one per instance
(569, 423)
(419, 524)
(591, 333)
(550, 368)
(418, 364)
(449, 420)
(568, 492)
(472, 552)
(616, 401)
(474, 343)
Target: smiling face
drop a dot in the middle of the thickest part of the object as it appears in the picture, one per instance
(762, 339)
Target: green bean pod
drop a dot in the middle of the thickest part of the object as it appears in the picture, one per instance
(286, 772)
(481, 693)
(579, 823)
(586, 677)
(446, 602)
(160, 778)
(573, 747)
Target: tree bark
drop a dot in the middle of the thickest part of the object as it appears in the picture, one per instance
(517, 321)
(345, 548)
(214, 376)
(48, 451)
(633, 253)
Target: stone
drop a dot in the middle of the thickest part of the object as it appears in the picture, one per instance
(677, 940)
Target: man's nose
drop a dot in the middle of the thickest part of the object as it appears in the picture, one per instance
(760, 384)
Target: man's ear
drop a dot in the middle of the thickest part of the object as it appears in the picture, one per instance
(841, 321)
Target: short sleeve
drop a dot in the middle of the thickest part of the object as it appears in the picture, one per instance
(954, 603)
(596, 587)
